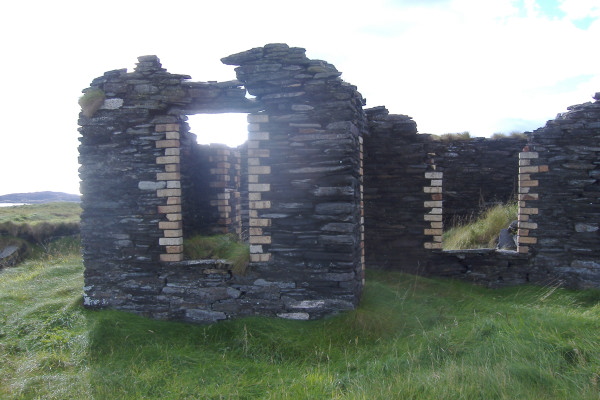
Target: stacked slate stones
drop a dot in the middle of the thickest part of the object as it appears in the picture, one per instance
(142, 191)
(304, 180)
(568, 219)
(395, 164)
(130, 155)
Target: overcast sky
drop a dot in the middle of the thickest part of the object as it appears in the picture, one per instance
(453, 65)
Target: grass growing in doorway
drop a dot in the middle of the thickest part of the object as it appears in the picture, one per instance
(226, 247)
(483, 231)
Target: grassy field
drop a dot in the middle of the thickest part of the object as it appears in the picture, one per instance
(411, 338)
(34, 226)
(60, 212)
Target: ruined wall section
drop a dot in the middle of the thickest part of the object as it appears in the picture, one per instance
(396, 159)
(130, 156)
(304, 179)
(413, 181)
(567, 234)
(145, 184)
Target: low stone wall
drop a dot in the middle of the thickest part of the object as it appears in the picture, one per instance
(487, 267)
(568, 216)
(415, 185)
(204, 291)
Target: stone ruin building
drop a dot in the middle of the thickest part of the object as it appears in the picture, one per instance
(322, 189)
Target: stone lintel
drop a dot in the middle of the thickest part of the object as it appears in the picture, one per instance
(168, 160)
(265, 257)
(434, 175)
(169, 209)
(166, 128)
(531, 183)
(260, 222)
(257, 118)
(175, 241)
(168, 176)
(161, 144)
(260, 240)
(170, 225)
(176, 257)
(528, 154)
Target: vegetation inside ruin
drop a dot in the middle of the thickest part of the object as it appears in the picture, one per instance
(226, 247)
(450, 137)
(513, 134)
(411, 337)
(481, 231)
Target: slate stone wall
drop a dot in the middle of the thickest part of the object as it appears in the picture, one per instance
(321, 189)
(396, 159)
(304, 177)
(146, 184)
(414, 185)
(568, 231)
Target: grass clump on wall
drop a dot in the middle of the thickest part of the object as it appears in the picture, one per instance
(91, 101)
(226, 247)
(481, 232)
(451, 137)
(512, 135)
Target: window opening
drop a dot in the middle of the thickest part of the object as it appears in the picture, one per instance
(228, 129)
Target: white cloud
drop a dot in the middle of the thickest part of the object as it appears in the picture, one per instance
(578, 9)
(453, 65)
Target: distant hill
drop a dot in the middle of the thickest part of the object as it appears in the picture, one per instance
(39, 197)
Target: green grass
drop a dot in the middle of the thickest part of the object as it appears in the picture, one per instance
(38, 224)
(225, 247)
(411, 338)
(58, 212)
(481, 232)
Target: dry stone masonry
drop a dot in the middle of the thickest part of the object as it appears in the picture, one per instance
(322, 188)
(147, 185)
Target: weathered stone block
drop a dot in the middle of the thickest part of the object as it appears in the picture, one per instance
(151, 185)
(171, 257)
(259, 187)
(170, 241)
(260, 239)
(168, 160)
(169, 209)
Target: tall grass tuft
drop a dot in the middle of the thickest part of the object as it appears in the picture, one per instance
(481, 232)
(451, 137)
